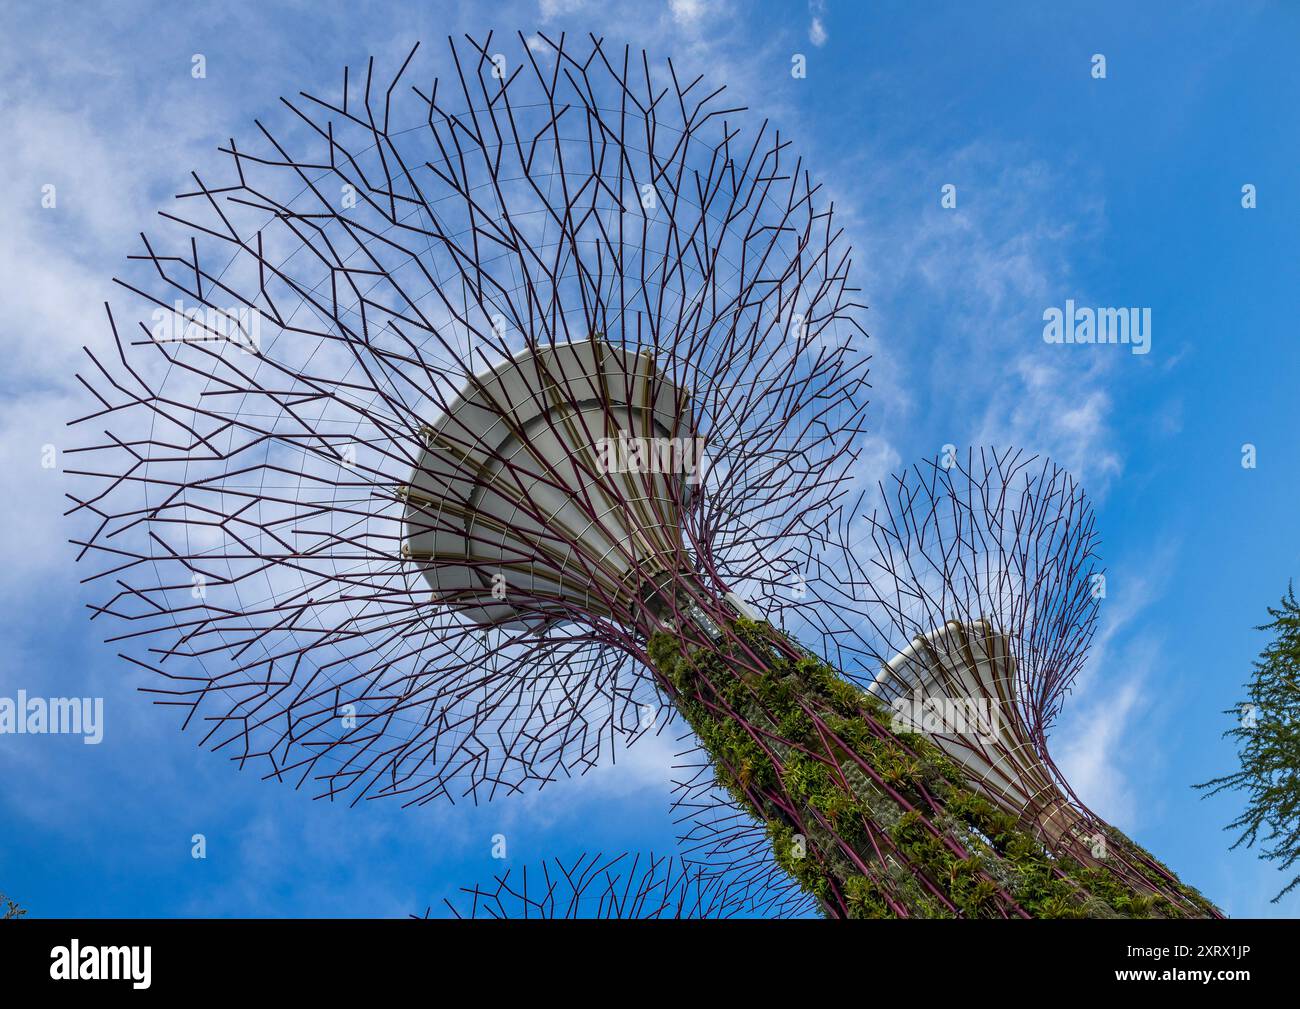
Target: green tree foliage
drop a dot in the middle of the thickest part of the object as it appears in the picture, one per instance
(1268, 745)
(10, 909)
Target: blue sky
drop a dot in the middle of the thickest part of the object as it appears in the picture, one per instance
(1117, 192)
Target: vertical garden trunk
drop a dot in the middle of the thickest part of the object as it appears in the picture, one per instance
(874, 822)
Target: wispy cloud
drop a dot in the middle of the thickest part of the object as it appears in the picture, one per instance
(1112, 722)
(817, 33)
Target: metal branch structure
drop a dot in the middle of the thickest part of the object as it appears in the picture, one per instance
(982, 585)
(723, 841)
(961, 609)
(598, 886)
(475, 425)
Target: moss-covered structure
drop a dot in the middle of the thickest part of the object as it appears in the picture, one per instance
(875, 823)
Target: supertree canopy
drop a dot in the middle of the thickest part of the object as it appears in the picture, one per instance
(479, 422)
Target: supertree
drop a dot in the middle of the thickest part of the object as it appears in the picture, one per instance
(483, 423)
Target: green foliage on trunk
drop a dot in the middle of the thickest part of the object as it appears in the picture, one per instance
(1000, 857)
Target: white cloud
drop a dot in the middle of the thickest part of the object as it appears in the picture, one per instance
(956, 305)
(817, 33)
(644, 767)
(58, 263)
(1112, 722)
(686, 12)
(1092, 755)
(551, 9)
